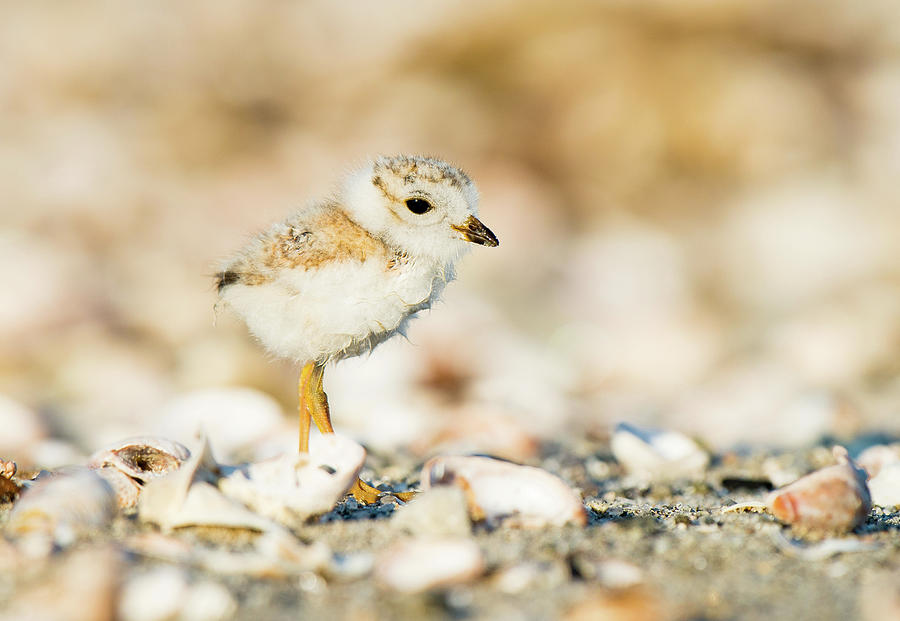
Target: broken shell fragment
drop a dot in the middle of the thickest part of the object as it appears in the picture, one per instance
(417, 565)
(293, 487)
(885, 486)
(128, 464)
(441, 511)
(657, 454)
(833, 499)
(59, 508)
(188, 497)
(499, 490)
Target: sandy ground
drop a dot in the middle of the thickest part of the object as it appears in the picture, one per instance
(684, 558)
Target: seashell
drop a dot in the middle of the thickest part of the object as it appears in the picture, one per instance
(657, 454)
(127, 464)
(833, 499)
(295, 486)
(874, 458)
(59, 508)
(496, 490)
(439, 512)
(417, 565)
(885, 486)
(142, 458)
(126, 490)
(186, 497)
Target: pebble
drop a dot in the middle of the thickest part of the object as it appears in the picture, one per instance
(502, 491)
(657, 454)
(421, 564)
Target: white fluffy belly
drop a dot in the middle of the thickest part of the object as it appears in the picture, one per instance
(336, 311)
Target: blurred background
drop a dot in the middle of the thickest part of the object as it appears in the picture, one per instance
(697, 205)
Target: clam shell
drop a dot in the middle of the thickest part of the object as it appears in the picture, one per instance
(657, 454)
(142, 458)
(521, 495)
(417, 565)
(127, 464)
(295, 486)
(833, 499)
(62, 507)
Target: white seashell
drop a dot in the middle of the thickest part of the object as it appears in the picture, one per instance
(59, 508)
(496, 490)
(126, 489)
(417, 565)
(439, 512)
(186, 497)
(885, 486)
(657, 454)
(874, 458)
(142, 458)
(292, 487)
(833, 499)
(127, 464)
(235, 419)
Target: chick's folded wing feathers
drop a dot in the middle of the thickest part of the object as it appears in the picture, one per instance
(307, 241)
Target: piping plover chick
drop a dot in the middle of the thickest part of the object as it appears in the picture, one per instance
(349, 272)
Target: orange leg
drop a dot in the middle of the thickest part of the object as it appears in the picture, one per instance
(317, 403)
(303, 392)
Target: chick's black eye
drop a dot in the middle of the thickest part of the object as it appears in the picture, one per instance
(418, 205)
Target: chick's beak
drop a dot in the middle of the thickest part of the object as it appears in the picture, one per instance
(474, 231)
